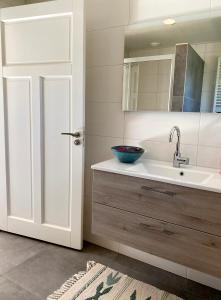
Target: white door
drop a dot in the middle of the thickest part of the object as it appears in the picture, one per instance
(42, 84)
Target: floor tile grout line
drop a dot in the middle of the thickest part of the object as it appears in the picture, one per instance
(26, 260)
(21, 287)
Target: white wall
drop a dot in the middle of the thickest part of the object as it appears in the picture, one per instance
(107, 125)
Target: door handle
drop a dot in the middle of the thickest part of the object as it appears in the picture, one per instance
(75, 134)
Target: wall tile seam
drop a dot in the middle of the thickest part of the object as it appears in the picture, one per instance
(159, 141)
(116, 100)
(114, 26)
(134, 139)
(104, 136)
(103, 101)
(198, 139)
(130, 12)
(106, 28)
(89, 135)
(124, 126)
(210, 146)
(153, 141)
(102, 66)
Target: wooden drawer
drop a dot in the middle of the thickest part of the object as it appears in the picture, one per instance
(197, 250)
(191, 208)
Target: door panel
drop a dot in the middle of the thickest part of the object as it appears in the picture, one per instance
(43, 65)
(56, 119)
(18, 104)
(38, 41)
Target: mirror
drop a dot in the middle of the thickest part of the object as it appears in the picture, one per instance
(173, 67)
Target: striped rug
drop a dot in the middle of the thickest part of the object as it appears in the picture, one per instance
(99, 282)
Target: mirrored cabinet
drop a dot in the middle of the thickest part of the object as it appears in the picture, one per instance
(173, 65)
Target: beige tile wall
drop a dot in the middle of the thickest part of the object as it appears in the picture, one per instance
(107, 125)
(104, 77)
(154, 85)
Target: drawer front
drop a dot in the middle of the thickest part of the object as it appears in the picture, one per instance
(192, 208)
(200, 251)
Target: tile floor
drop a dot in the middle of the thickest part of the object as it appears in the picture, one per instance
(31, 270)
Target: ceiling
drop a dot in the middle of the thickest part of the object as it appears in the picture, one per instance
(201, 30)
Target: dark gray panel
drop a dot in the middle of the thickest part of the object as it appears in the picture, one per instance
(188, 80)
(191, 105)
(180, 69)
(177, 104)
(193, 82)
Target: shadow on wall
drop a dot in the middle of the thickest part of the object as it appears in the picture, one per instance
(10, 3)
(151, 132)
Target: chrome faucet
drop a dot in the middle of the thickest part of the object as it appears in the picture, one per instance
(178, 160)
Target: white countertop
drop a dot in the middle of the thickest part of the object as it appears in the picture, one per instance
(212, 183)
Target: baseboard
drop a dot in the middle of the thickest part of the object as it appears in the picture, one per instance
(158, 262)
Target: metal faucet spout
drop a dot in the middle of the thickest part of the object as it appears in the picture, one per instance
(177, 158)
(177, 130)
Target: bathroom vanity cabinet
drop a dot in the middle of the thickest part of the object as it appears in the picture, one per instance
(178, 223)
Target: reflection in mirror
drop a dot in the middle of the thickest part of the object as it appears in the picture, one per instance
(147, 83)
(173, 67)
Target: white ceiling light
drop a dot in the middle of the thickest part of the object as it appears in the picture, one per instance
(169, 22)
(154, 44)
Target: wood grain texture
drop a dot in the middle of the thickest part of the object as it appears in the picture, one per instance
(185, 246)
(187, 207)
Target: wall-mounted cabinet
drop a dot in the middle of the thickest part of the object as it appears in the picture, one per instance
(178, 223)
(161, 32)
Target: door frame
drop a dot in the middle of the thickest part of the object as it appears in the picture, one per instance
(3, 178)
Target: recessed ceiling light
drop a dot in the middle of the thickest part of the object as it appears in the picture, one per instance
(154, 44)
(169, 22)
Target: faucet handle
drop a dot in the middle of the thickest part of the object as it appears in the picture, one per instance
(187, 160)
(183, 160)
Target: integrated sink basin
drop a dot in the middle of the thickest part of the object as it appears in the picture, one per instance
(189, 176)
(180, 174)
